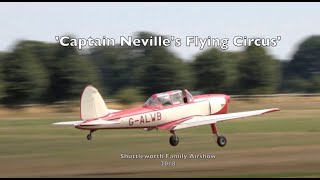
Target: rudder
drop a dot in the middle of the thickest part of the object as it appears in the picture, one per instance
(92, 104)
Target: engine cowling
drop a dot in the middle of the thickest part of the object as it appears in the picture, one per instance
(218, 105)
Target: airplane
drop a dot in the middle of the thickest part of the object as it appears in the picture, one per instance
(171, 111)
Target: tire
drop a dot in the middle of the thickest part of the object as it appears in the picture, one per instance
(89, 136)
(174, 140)
(222, 141)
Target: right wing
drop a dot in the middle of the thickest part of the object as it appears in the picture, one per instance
(204, 120)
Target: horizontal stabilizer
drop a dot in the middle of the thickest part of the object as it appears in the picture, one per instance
(90, 123)
(99, 122)
(68, 123)
(113, 110)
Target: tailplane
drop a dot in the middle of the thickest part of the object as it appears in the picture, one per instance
(92, 104)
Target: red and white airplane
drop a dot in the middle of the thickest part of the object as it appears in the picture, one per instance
(171, 111)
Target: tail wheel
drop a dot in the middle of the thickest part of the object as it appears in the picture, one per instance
(89, 136)
(174, 140)
(222, 141)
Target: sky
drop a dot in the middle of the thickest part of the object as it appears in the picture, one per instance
(43, 21)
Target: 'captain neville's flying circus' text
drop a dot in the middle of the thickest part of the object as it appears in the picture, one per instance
(159, 41)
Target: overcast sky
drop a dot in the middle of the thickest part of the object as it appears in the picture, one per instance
(43, 21)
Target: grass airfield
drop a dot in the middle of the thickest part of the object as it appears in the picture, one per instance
(279, 144)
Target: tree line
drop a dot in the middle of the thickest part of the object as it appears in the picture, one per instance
(41, 72)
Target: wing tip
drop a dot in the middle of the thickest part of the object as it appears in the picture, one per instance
(272, 110)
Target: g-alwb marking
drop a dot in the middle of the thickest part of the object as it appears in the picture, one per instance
(144, 119)
(170, 111)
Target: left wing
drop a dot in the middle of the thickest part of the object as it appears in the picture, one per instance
(204, 120)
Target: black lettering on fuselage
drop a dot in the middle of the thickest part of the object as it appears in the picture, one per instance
(144, 118)
(153, 118)
(130, 121)
(158, 116)
(141, 120)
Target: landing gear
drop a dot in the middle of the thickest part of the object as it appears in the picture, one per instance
(174, 140)
(89, 136)
(222, 141)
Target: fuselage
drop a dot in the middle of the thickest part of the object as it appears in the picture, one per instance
(154, 116)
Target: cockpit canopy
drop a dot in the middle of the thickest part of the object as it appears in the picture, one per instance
(174, 97)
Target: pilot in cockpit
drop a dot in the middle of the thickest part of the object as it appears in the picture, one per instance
(184, 96)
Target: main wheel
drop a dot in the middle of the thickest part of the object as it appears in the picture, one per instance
(174, 140)
(222, 141)
(89, 136)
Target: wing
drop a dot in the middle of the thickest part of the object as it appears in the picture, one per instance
(204, 120)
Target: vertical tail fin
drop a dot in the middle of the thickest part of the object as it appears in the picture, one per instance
(92, 104)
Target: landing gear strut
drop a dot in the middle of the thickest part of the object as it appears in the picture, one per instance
(174, 140)
(221, 140)
(89, 136)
